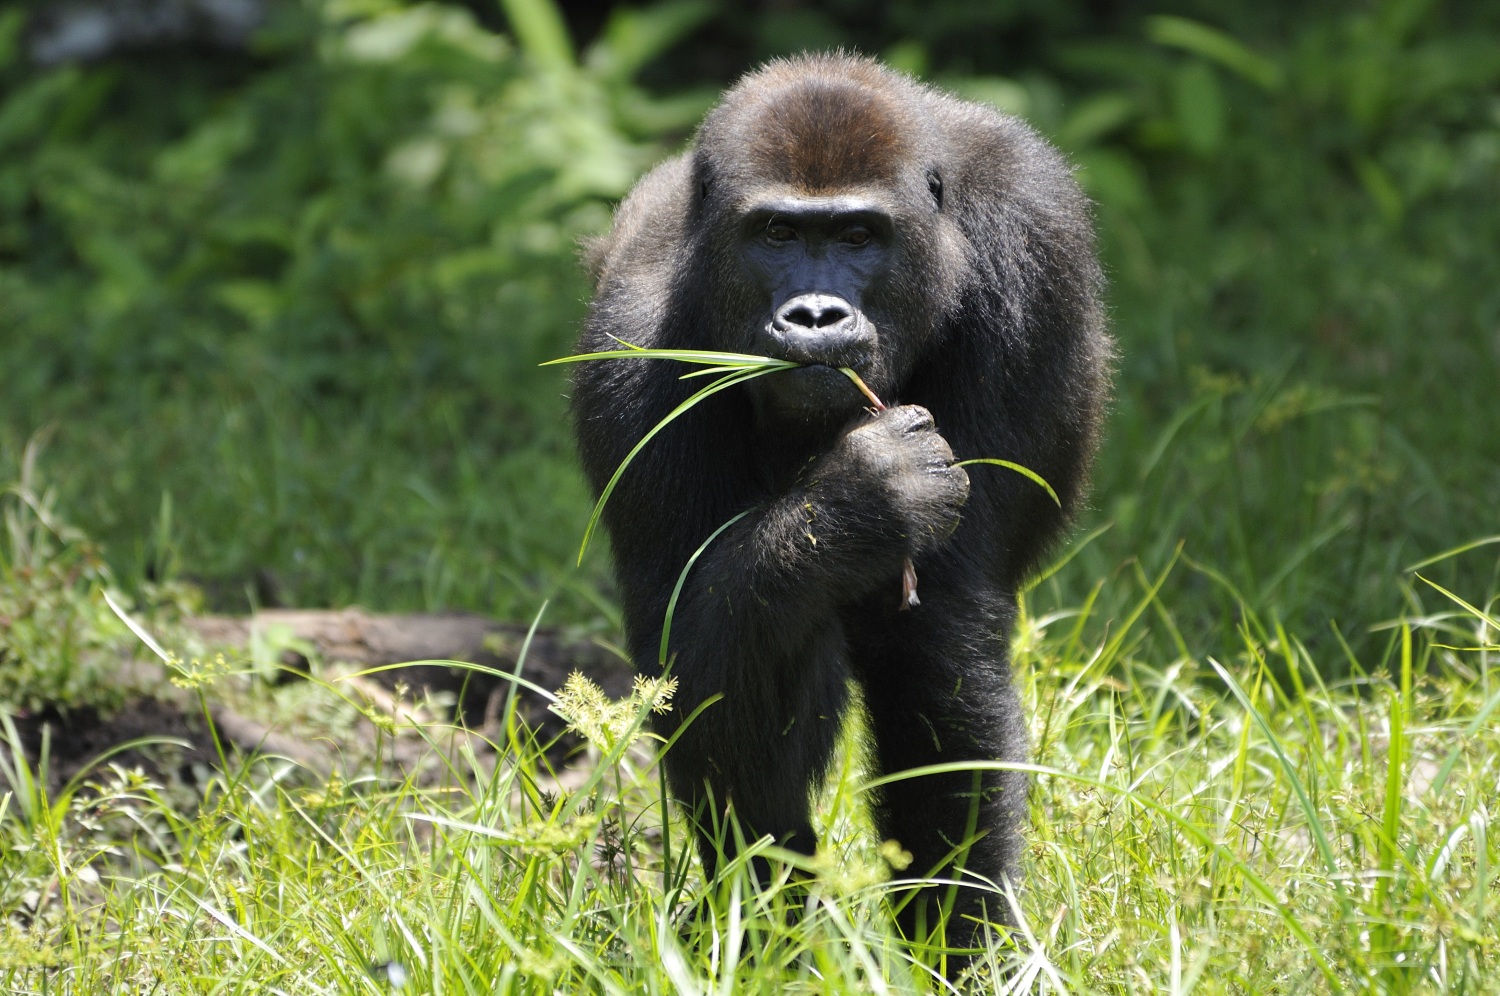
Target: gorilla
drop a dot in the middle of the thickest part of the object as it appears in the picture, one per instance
(836, 213)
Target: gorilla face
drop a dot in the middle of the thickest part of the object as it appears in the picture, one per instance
(814, 261)
(825, 273)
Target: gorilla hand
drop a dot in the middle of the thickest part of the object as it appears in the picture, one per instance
(898, 459)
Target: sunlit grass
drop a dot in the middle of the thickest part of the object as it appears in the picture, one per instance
(1214, 819)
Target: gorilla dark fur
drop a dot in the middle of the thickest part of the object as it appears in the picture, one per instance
(836, 213)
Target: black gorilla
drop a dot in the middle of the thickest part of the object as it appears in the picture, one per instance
(836, 213)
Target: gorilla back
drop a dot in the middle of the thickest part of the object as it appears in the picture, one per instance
(836, 213)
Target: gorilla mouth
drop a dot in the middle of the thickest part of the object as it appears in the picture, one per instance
(823, 334)
(812, 389)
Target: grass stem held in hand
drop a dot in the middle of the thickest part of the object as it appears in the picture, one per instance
(909, 597)
(864, 388)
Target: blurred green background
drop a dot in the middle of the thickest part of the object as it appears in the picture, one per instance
(276, 306)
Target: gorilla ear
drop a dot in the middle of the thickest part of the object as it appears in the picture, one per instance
(935, 186)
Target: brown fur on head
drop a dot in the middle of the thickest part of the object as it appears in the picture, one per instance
(819, 122)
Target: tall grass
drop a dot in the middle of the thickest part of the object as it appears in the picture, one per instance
(1218, 819)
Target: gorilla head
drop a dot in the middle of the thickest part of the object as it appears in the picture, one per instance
(821, 198)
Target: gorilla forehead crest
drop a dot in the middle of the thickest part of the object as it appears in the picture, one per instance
(815, 123)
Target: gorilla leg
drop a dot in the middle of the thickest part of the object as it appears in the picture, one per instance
(757, 753)
(938, 690)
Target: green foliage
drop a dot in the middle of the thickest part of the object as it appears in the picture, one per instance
(728, 369)
(60, 644)
(303, 296)
(1300, 255)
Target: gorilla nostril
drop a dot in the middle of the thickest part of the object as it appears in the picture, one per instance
(801, 317)
(830, 316)
(815, 311)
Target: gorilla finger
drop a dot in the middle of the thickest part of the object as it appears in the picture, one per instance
(954, 479)
(939, 452)
(910, 418)
(960, 480)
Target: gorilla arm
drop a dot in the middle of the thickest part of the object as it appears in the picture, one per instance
(885, 491)
(757, 620)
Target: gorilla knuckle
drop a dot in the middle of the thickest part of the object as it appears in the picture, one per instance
(941, 452)
(911, 418)
(958, 479)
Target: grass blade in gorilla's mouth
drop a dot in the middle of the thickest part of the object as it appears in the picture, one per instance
(864, 388)
(729, 370)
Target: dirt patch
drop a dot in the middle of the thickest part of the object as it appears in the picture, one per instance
(75, 739)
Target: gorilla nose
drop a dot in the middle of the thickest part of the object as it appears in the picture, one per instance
(813, 311)
(819, 328)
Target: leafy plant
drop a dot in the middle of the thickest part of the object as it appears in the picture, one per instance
(358, 240)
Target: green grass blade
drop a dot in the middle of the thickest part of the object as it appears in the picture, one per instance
(1026, 472)
(729, 368)
(137, 629)
(1074, 549)
(727, 381)
(546, 693)
(666, 626)
(1473, 610)
(864, 388)
(1454, 552)
(1314, 822)
(1382, 935)
(708, 357)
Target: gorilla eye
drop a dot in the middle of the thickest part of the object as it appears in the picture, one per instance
(856, 236)
(935, 186)
(777, 232)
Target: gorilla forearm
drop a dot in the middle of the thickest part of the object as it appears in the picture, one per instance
(885, 492)
(781, 571)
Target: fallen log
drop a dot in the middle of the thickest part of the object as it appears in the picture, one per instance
(347, 640)
(369, 640)
(252, 737)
